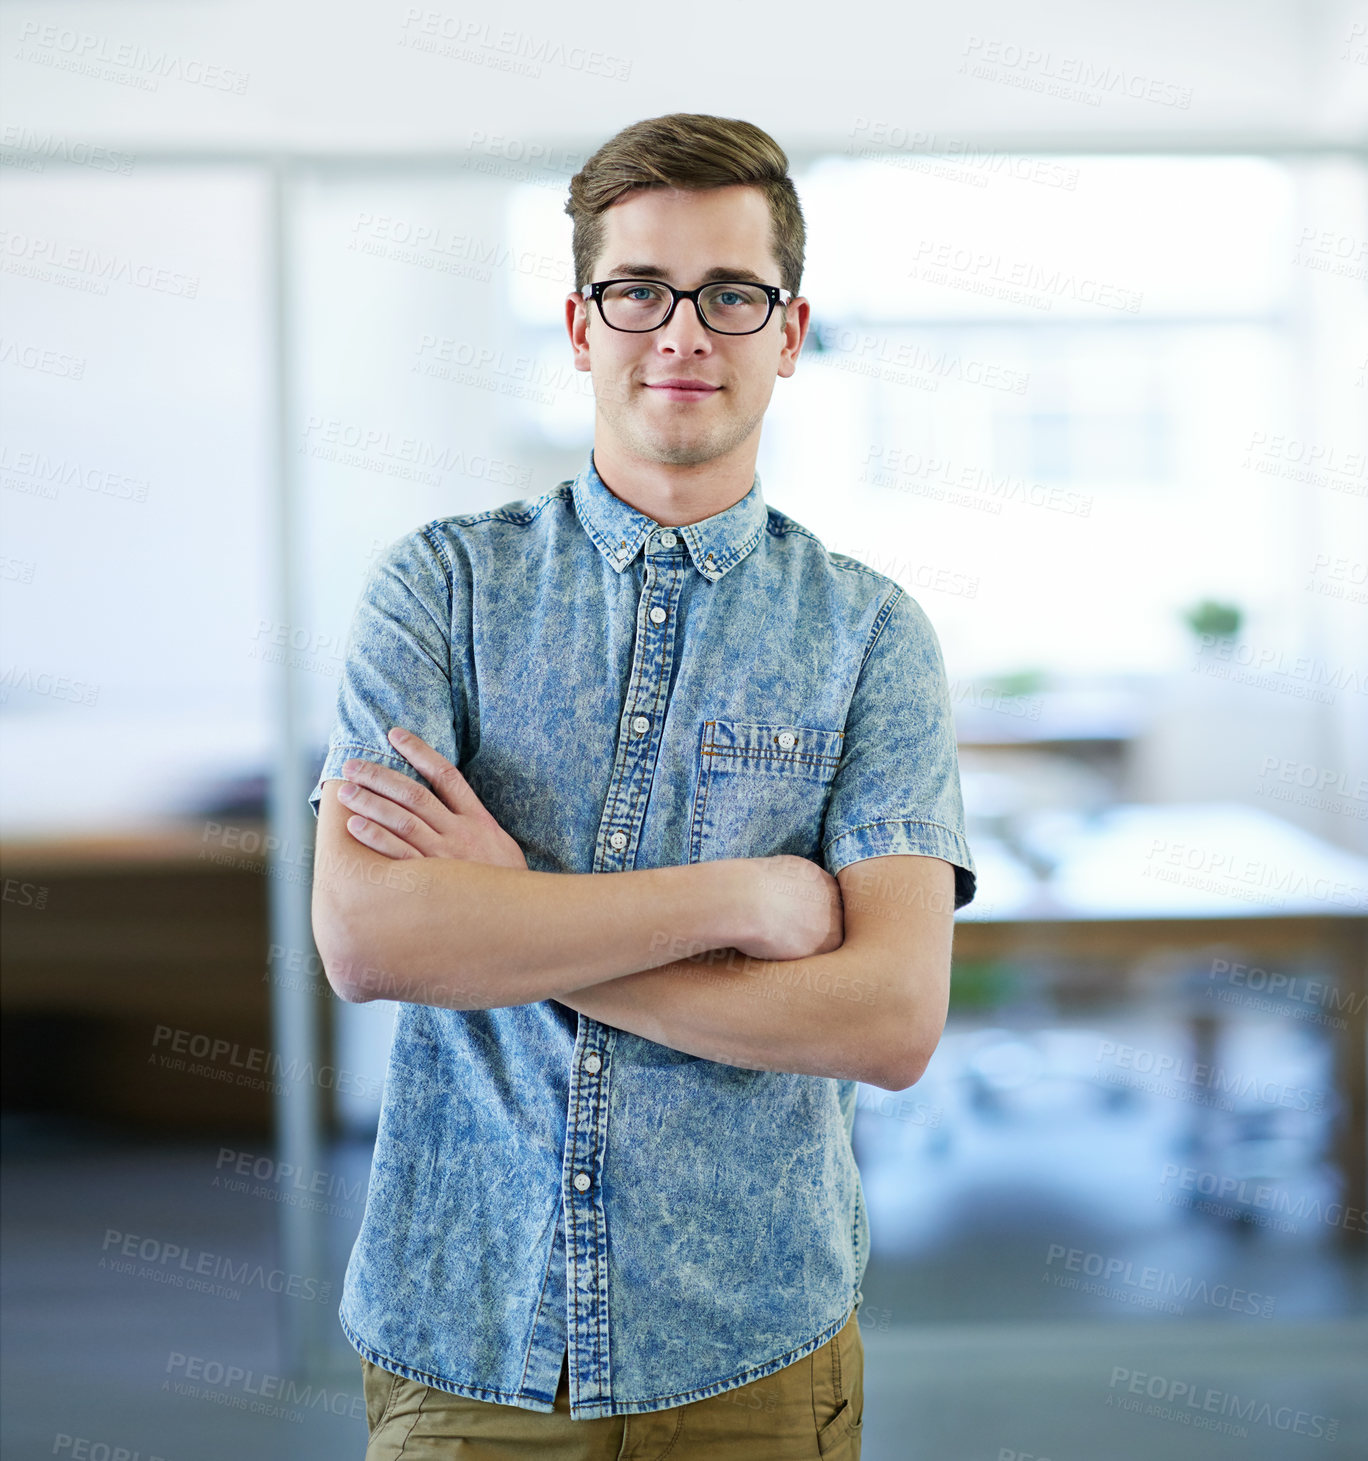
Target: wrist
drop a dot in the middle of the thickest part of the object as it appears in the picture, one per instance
(738, 900)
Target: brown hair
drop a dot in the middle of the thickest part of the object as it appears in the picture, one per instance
(686, 150)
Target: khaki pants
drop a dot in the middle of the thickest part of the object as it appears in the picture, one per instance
(811, 1410)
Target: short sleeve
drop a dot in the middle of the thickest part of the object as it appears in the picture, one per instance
(897, 787)
(397, 669)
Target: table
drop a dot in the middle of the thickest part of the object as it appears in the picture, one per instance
(1132, 882)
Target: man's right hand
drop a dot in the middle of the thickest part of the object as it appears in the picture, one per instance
(398, 818)
(799, 908)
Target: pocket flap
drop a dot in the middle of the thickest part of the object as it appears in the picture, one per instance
(803, 750)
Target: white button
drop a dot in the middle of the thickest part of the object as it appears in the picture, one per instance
(618, 840)
(640, 724)
(657, 615)
(581, 1181)
(787, 740)
(592, 1063)
(668, 540)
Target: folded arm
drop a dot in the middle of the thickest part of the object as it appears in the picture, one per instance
(871, 1010)
(472, 935)
(421, 896)
(765, 963)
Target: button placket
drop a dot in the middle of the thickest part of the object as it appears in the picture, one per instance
(640, 729)
(662, 576)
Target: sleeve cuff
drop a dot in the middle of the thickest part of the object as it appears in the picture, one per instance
(927, 839)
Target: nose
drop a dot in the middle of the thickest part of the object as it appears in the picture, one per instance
(685, 333)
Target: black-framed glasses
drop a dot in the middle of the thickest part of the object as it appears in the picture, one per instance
(726, 306)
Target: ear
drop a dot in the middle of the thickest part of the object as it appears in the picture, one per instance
(577, 326)
(795, 327)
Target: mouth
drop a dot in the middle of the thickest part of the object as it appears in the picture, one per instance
(683, 390)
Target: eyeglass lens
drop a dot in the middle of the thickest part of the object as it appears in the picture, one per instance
(640, 304)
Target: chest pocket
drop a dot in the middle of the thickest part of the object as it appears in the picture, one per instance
(761, 789)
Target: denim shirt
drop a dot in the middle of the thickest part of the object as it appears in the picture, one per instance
(622, 695)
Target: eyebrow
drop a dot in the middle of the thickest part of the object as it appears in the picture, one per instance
(654, 271)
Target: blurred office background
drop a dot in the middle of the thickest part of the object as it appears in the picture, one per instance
(1087, 374)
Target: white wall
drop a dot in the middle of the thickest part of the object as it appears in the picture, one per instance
(366, 77)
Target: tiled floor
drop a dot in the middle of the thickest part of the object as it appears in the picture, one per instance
(1037, 1287)
(110, 1358)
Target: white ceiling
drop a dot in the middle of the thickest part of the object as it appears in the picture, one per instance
(344, 77)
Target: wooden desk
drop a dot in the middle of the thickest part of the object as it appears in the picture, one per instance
(1248, 887)
(107, 938)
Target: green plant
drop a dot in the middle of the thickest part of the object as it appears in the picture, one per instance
(1214, 618)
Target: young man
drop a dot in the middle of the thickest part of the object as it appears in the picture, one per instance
(693, 880)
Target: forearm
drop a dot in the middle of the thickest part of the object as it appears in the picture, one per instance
(469, 935)
(828, 1014)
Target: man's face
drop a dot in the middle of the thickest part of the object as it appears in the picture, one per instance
(679, 235)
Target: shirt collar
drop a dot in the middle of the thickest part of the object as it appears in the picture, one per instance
(715, 543)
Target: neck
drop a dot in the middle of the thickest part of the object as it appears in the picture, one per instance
(675, 496)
